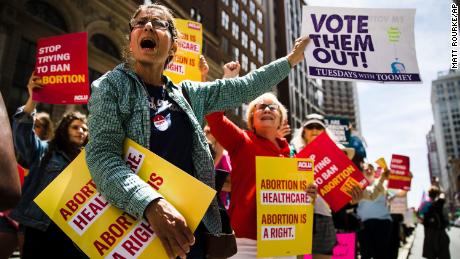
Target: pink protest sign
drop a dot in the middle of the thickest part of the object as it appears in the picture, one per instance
(400, 177)
(335, 174)
(345, 248)
(62, 64)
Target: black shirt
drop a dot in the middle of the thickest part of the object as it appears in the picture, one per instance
(171, 132)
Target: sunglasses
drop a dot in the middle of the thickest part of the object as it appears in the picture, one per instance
(315, 126)
(139, 23)
(263, 106)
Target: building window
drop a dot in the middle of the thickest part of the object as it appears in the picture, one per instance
(225, 2)
(103, 43)
(252, 7)
(235, 30)
(253, 48)
(252, 27)
(236, 54)
(244, 39)
(260, 35)
(235, 8)
(260, 56)
(225, 20)
(244, 62)
(259, 17)
(47, 13)
(253, 66)
(244, 18)
(224, 45)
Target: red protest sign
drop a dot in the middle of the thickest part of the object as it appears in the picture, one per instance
(334, 173)
(400, 177)
(62, 64)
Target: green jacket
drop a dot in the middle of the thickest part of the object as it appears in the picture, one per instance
(118, 109)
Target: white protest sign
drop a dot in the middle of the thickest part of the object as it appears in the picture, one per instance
(361, 44)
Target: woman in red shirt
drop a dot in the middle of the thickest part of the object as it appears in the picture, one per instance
(264, 117)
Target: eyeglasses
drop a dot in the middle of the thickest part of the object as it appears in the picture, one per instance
(314, 126)
(140, 23)
(263, 106)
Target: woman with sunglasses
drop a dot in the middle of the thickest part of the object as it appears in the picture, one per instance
(324, 233)
(264, 118)
(135, 100)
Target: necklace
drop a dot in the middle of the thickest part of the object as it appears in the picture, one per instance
(151, 98)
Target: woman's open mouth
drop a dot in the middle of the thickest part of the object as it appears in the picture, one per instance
(148, 44)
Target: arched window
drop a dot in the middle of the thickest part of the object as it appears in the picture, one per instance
(105, 44)
(47, 13)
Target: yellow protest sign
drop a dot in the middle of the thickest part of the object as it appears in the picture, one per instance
(102, 230)
(381, 162)
(284, 211)
(187, 58)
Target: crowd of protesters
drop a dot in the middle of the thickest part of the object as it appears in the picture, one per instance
(126, 102)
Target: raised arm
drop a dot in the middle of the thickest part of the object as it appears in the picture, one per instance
(27, 143)
(225, 131)
(224, 94)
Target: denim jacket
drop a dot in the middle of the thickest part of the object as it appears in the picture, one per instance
(32, 150)
(118, 109)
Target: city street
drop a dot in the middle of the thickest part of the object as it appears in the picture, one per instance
(454, 235)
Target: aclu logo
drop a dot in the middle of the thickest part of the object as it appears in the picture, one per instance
(194, 26)
(83, 97)
(304, 165)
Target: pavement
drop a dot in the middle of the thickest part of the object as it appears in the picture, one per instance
(404, 250)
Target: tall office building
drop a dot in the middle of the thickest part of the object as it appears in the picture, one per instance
(298, 93)
(341, 99)
(445, 102)
(433, 156)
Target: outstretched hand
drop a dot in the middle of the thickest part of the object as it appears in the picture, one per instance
(356, 194)
(35, 82)
(312, 191)
(170, 227)
(283, 130)
(231, 69)
(296, 55)
(204, 68)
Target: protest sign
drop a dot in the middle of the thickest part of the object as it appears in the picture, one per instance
(400, 176)
(382, 163)
(62, 64)
(398, 205)
(335, 174)
(345, 247)
(284, 210)
(361, 44)
(339, 127)
(187, 58)
(104, 231)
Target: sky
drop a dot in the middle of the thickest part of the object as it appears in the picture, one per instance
(395, 118)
